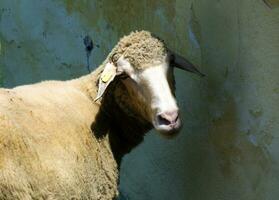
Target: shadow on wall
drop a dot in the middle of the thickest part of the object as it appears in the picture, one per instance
(233, 147)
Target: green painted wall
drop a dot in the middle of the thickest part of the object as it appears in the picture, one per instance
(229, 147)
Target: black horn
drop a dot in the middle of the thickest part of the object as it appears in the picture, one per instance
(182, 63)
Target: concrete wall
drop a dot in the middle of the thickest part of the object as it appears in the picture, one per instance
(229, 147)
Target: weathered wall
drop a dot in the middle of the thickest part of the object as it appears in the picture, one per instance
(228, 148)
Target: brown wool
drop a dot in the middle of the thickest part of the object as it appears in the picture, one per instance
(56, 142)
(140, 48)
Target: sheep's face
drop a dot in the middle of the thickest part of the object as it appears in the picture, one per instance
(151, 91)
(147, 64)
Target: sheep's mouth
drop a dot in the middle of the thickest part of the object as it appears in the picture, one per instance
(167, 129)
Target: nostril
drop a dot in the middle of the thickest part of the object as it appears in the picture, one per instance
(162, 120)
(167, 118)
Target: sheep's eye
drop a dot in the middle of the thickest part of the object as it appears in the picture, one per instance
(123, 76)
(171, 59)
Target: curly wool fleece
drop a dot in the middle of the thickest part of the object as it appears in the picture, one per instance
(140, 48)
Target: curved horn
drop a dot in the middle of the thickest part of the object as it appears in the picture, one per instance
(182, 63)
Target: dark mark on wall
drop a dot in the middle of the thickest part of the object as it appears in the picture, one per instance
(88, 43)
(5, 10)
(272, 3)
(66, 65)
(44, 34)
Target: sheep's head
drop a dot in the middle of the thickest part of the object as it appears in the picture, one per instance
(145, 68)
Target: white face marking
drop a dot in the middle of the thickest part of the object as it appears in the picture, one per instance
(156, 85)
(151, 84)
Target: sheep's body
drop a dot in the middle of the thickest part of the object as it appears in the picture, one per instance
(47, 148)
(56, 142)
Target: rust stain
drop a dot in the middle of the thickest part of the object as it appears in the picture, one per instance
(272, 3)
(122, 16)
(89, 11)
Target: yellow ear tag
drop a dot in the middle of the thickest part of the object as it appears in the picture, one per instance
(106, 76)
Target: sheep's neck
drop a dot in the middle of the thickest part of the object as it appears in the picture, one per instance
(125, 130)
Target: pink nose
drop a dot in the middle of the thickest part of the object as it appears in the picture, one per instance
(168, 118)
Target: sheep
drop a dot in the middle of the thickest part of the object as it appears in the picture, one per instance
(66, 139)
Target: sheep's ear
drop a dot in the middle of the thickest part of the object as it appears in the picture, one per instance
(184, 64)
(106, 78)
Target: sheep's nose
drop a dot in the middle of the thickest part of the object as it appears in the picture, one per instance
(168, 118)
